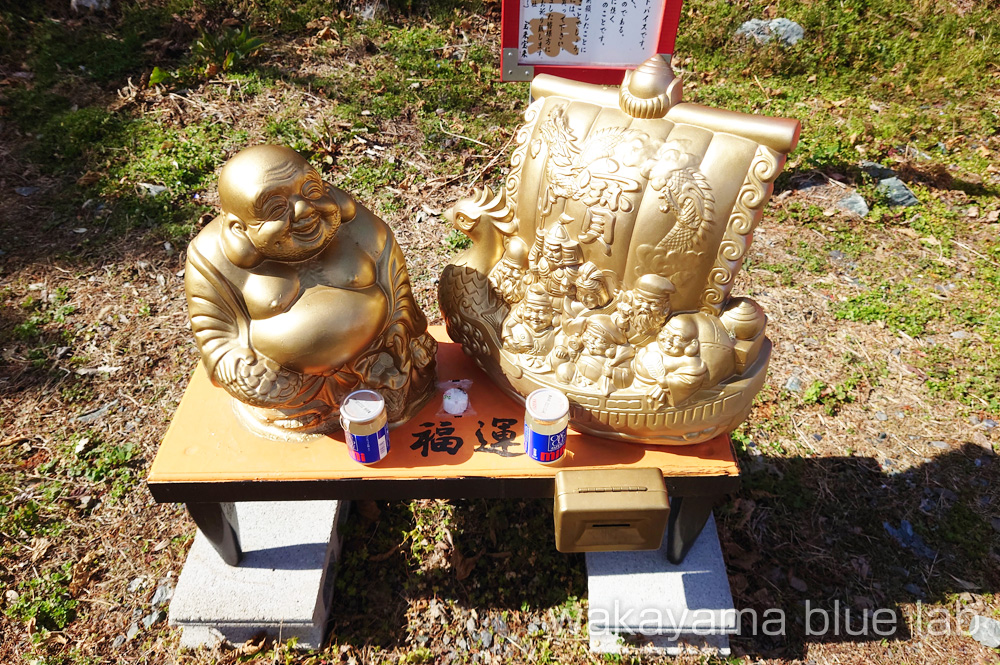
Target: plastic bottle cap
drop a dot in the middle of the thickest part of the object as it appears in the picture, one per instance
(547, 405)
(362, 406)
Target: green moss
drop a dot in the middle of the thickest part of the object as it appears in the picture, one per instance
(901, 307)
(456, 240)
(967, 530)
(831, 397)
(46, 599)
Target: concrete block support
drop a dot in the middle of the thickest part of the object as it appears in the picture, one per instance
(639, 600)
(282, 587)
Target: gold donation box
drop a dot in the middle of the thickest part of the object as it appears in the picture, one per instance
(603, 510)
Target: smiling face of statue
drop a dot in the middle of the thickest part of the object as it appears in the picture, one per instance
(280, 202)
(537, 317)
(678, 338)
(672, 344)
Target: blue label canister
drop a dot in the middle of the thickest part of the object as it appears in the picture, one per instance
(366, 426)
(546, 418)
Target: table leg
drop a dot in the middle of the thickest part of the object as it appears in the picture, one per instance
(220, 525)
(688, 515)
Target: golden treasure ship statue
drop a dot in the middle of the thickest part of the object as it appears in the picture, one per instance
(604, 266)
(299, 295)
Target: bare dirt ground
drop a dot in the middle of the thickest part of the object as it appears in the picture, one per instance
(847, 443)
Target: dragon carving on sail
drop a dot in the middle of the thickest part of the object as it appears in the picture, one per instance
(590, 171)
(684, 191)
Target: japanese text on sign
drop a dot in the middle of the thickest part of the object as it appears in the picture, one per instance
(588, 32)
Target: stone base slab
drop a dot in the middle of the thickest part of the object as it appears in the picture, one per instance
(641, 601)
(282, 587)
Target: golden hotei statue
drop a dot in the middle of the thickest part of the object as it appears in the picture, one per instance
(604, 266)
(299, 295)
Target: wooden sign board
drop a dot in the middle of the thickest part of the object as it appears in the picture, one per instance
(585, 40)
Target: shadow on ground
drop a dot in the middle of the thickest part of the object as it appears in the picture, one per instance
(484, 554)
(857, 535)
(819, 534)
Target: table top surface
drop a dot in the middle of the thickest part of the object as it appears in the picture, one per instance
(206, 444)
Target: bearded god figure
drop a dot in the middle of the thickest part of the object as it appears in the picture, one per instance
(604, 266)
(299, 295)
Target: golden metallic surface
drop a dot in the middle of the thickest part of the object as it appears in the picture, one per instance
(299, 295)
(610, 510)
(604, 266)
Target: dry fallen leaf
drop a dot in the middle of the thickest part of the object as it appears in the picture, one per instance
(82, 571)
(39, 546)
(463, 566)
(328, 33)
(964, 584)
(250, 648)
(53, 638)
(385, 555)
(88, 178)
(369, 510)
(744, 508)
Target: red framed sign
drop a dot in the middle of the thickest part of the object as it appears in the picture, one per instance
(585, 40)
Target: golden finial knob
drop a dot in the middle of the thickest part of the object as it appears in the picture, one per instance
(649, 90)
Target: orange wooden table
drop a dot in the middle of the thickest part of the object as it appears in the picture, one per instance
(208, 460)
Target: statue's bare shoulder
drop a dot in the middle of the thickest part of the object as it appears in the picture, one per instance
(361, 225)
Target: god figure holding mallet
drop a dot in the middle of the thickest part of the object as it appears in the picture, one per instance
(299, 295)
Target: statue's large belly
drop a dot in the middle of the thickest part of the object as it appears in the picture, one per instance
(324, 330)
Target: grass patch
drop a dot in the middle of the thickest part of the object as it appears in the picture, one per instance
(831, 397)
(87, 457)
(126, 160)
(853, 78)
(900, 307)
(456, 241)
(967, 530)
(969, 375)
(45, 599)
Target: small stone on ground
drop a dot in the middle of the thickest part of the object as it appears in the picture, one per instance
(786, 31)
(897, 193)
(986, 631)
(855, 204)
(163, 594)
(909, 539)
(152, 619)
(876, 170)
(794, 384)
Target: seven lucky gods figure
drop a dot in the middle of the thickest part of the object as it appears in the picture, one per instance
(604, 266)
(299, 295)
